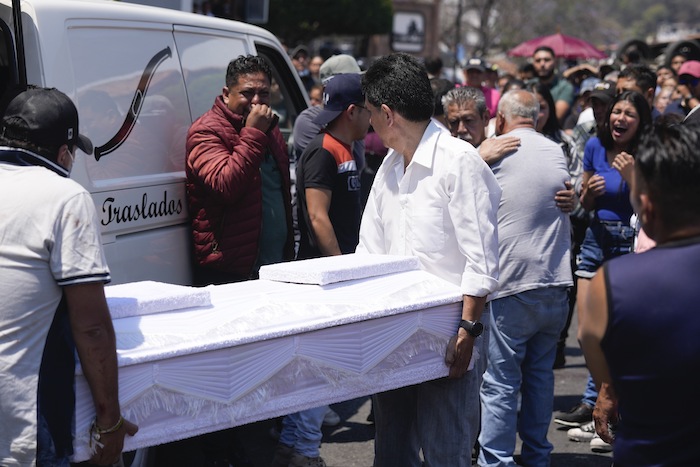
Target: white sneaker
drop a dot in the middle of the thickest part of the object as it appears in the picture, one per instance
(598, 445)
(331, 418)
(584, 434)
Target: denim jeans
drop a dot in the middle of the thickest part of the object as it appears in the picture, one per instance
(590, 394)
(302, 431)
(441, 417)
(524, 331)
(603, 241)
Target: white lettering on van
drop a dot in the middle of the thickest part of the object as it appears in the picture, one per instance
(145, 210)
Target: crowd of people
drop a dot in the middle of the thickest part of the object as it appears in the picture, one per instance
(520, 190)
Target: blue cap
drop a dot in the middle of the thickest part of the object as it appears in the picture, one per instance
(338, 93)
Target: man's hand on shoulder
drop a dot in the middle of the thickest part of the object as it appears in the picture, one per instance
(493, 150)
(260, 117)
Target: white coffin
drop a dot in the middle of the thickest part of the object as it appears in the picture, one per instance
(267, 348)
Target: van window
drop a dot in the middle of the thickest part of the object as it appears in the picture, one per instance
(8, 67)
(205, 56)
(131, 97)
(288, 100)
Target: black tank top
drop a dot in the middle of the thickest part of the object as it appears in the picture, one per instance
(652, 345)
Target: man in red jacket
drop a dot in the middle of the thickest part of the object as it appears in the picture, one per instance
(238, 185)
(238, 192)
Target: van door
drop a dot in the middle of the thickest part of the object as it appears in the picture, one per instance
(130, 94)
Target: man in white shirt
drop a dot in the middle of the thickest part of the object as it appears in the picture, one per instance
(434, 198)
(53, 270)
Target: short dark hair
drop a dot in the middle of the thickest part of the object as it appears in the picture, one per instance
(433, 65)
(400, 82)
(641, 74)
(440, 87)
(544, 48)
(245, 65)
(641, 105)
(669, 164)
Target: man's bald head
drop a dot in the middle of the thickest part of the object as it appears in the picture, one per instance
(517, 109)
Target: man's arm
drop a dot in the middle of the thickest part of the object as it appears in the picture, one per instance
(593, 321)
(318, 203)
(561, 109)
(460, 347)
(225, 167)
(95, 342)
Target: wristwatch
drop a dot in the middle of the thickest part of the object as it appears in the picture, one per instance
(473, 328)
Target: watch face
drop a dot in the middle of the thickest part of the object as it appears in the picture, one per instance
(477, 329)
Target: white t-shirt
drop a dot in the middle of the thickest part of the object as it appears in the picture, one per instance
(49, 238)
(442, 209)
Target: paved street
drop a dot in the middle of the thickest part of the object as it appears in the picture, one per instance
(351, 443)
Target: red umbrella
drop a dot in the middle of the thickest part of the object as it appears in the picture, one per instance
(563, 46)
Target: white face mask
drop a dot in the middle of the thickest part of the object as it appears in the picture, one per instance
(72, 159)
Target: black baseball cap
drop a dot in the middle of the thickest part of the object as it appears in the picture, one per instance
(338, 93)
(45, 117)
(475, 63)
(604, 90)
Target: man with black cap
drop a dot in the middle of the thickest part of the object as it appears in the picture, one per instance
(53, 273)
(328, 184)
(474, 70)
(328, 179)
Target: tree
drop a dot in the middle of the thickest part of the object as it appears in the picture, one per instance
(300, 21)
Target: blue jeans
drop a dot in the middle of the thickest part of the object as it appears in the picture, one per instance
(302, 431)
(441, 417)
(603, 241)
(524, 331)
(590, 394)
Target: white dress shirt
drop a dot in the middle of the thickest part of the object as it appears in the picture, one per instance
(442, 209)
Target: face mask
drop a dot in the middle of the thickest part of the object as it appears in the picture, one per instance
(72, 160)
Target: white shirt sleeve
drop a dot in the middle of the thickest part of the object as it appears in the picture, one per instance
(77, 255)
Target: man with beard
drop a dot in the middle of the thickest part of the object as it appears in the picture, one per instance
(544, 60)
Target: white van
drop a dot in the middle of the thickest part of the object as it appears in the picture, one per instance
(139, 77)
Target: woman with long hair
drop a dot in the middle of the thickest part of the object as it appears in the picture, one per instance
(605, 193)
(604, 190)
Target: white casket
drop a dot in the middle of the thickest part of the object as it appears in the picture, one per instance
(266, 348)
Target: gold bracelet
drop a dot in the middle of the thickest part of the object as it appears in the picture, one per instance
(96, 432)
(112, 429)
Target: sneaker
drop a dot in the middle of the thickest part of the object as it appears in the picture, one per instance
(331, 418)
(598, 445)
(584, 434)
(302, 461)
(578, 415)
(283, 455)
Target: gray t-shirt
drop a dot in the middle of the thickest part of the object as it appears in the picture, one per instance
(534, 237)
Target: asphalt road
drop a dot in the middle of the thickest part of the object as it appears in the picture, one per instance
(351, 443)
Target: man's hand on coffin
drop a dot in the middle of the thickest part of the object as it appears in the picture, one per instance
(109, 452)
(459, 353)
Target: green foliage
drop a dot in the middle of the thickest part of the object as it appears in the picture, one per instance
(302, 20)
